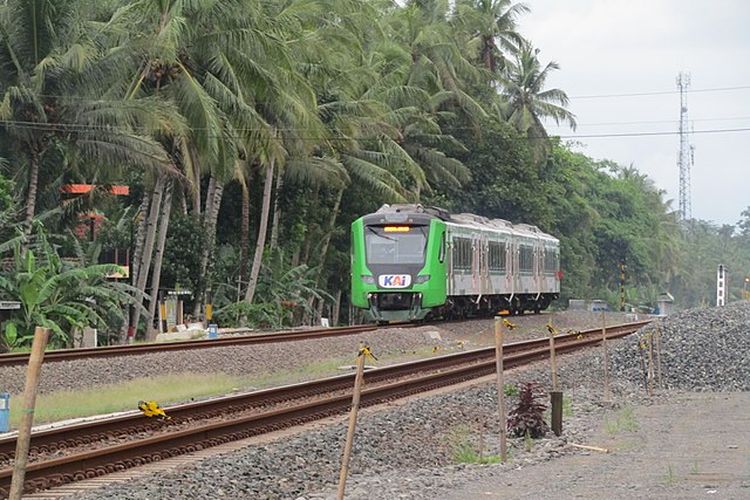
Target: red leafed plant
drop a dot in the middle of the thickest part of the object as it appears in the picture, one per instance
(528, 416)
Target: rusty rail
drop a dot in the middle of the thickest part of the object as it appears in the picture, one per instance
(454, 368)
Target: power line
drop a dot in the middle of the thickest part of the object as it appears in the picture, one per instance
(660, 92)
(677, 121)
(78, 127)
(648, 134)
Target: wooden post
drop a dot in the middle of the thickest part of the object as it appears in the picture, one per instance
(27, 418)
(352, 424)
(658, 357)
(605, 357)
(556, 400)
(552, 359)
(650, 364)
(500, 389)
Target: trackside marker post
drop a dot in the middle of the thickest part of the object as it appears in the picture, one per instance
(658, 356)
(556, 396)
(604, 354)
(29, 402)
(364, 352)
(651, 374)
(500, 386)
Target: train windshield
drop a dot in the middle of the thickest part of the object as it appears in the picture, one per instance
(396, 244)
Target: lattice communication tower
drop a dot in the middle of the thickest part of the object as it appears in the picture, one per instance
(686, 153)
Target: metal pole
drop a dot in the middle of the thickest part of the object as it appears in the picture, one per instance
(27, 418)
(352, 425)
(500, 389)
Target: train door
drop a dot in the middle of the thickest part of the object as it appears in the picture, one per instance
(511, 256)
(538, 272)
(476, 264)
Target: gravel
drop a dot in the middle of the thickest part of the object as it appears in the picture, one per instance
(701, 350)
(407, 449)
(259, 359)
(262, 359)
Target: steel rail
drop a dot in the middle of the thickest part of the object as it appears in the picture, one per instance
(131, 349)
(471, 364)
(69, 436)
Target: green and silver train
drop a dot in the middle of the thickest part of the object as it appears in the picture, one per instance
(411, 262)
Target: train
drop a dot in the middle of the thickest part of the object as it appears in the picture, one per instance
(410, 262)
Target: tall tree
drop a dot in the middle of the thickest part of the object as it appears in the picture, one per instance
(528, 102)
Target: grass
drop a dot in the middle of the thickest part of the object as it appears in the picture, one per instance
(567, 406)
(625, 421)
(176, 388)
(670, 479)
(464, 451)
(125, 396)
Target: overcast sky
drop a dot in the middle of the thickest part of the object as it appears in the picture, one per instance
(630, 46)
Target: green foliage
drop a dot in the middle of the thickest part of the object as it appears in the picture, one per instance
(417, 102)
(264, 315)
(464, 450)
(55, 293)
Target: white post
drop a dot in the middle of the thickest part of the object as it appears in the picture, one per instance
(721, 285)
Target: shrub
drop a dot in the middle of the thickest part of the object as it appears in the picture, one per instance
(528, 417)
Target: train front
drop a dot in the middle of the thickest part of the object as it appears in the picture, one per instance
(398, 265)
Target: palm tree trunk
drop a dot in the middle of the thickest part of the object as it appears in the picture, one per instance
(336, 309)
(310, 232)
(33, 186)
(331, 228)
(262, 229)
(245, 232)
(135, 261)
(277, 209)
(183, 202)
(166, 209)
(211, 214)
(148, 246)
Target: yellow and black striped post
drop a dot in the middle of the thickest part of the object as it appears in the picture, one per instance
(162, 313)
(209, 307)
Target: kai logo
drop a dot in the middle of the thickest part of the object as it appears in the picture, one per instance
(394, 280)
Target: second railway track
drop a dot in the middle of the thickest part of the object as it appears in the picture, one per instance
(231, 340)
(100, 447)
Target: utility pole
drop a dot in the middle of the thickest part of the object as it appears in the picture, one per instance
(686, 153)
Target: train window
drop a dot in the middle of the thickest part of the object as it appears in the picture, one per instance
(551, 261)
(462, 254)
(402, 247)
(497, 256)
(526, 259)
(441, 253)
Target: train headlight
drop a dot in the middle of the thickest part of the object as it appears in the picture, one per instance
(370, 280)
(422, 279)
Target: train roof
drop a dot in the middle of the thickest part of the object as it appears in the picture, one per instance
(468, 220)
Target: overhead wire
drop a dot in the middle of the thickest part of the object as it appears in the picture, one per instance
(660, 92)
(79, 127)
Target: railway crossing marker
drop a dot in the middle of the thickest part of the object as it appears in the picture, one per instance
(27, 418)
(499, 324)
(364, 352)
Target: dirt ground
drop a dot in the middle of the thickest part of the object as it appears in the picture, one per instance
(696, 445)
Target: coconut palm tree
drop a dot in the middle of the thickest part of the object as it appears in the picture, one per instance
(491, 28)
(46, 51)
(528, 103)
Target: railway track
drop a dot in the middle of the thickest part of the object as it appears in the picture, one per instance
(105, 446)
(135, 349)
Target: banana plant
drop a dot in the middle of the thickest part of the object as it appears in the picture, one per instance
(56, 294)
